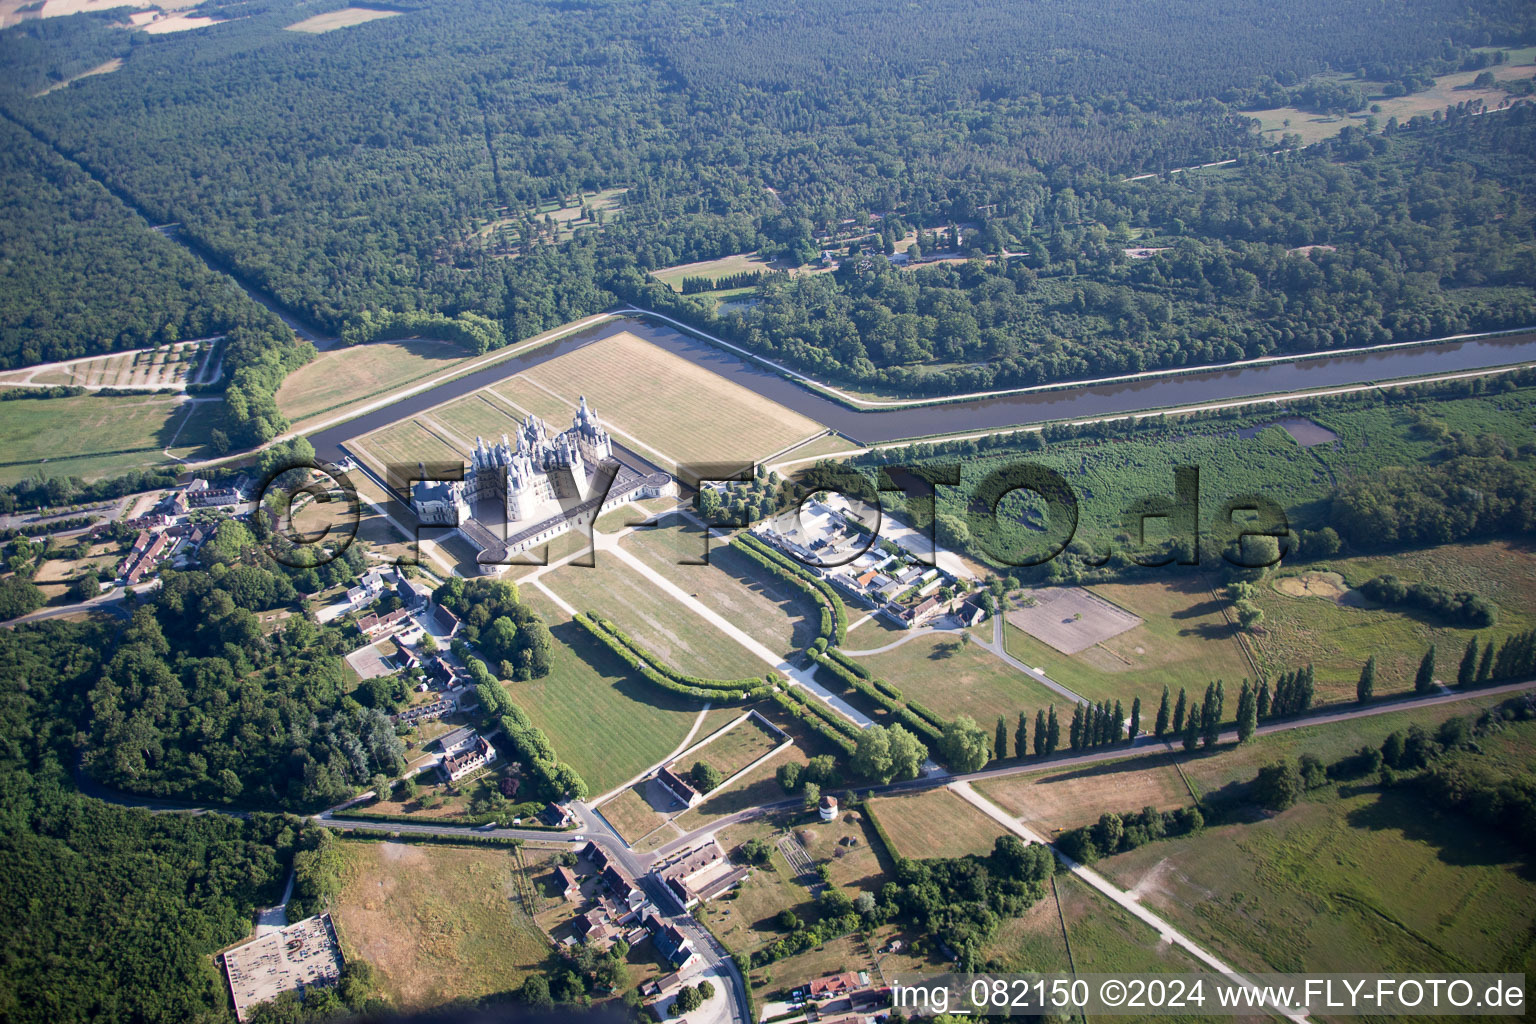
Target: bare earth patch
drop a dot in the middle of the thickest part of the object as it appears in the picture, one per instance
(1327, 585)
(344, 18)
(1071, 619)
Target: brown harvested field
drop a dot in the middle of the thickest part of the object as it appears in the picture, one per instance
(1055, 799)
(1071, 619)
(953, 678)
(678, 411)
(934, 823)
(344, 376)
(1448, 90)
(438, 923)
(344, 18)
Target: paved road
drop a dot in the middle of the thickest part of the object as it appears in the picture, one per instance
(1144, 745)
(999, 648)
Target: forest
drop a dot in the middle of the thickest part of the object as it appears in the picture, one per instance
(396, 191)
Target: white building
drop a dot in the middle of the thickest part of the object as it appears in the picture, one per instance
(544, 484)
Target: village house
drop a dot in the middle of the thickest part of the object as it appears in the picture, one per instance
(680, 788)
(700, 875)
(570, 886)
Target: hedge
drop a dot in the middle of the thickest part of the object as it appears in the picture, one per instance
(819, 589)
(649, 668)
(816, 716)
(908, 718)
(557, 777)
(468, 839)
(893, 692)
(475, 821)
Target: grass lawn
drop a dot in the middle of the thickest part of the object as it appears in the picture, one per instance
(739, 263)
(632, 816)
(1338, 638)
(733, 751)
(776, 615)
(439, 923)
(607, 724)
(680, 411)
(934, 823)
(667, 628)
(351, 374)
(953, 678)
(755, 788)
(1358, 880)
(93, 436)
(1183, 640)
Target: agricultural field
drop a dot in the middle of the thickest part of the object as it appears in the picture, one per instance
(607, 724)
(1054, 799)
(952, 678)
(934, 823)
(1337, 630)
(666, 627)
(680, 412)
(352, 374)
(1448, 90)
(344, 18)
(91, 437)
(1353, 878)
(780, 617)
(1104, 938)
(1183, 640)
(438, 923)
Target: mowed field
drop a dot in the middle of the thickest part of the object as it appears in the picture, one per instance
(955, 678)
(608, 724)
(90, 436)
(681, 412)
(666, 627)
(934, 823)
(1183, 640)
(1337, 637)
(344, 376)
(344, 18)
(1104, 939)
(166, 366)
(660, 405)
(740, 263)
(439, 923)
(774, 614)
(1062, 798)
